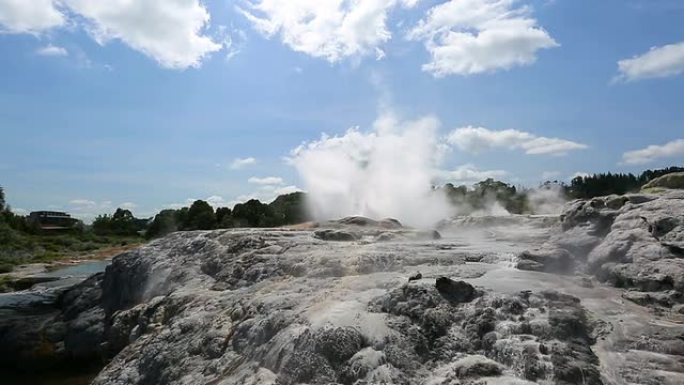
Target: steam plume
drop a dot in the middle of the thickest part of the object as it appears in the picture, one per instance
(387, 172)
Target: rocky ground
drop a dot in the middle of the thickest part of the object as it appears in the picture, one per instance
(634, 241)
(364, 302)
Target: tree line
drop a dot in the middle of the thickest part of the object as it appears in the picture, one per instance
(284, 210)
(613, 183)
(517, 200)
(290, 208)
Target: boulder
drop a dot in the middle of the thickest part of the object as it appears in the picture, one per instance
(477, 366)
(336, 235)
(548, 259)
(455, 291)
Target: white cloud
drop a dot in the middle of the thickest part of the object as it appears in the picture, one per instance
(580, 174)
(658, 62)
(671, 149)
(82, 203)
(171, 31)
(269, 180)
(239, 163)
(179, 205)
(52, 50)
(286, 190)
(20, 211)
(87, 209)
(128, 206)
(466, 37)
(29, 16)
(233, 40)
(333, 29)
(469, 173)
(478, 139)
(217, 201)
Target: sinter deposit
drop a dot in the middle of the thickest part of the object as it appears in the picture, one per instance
(591, 298)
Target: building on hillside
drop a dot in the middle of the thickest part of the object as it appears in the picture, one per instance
(52, 220)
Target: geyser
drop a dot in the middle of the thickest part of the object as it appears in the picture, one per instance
(386, 172)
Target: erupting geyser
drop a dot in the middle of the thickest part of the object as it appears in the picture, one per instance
(388, 172)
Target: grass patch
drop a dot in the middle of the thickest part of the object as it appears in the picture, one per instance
(18, 248)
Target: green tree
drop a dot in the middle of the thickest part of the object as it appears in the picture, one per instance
(2, 199)
(289, 209)
(163, 223)
(224, 218)
(603, 184)
(200, 216)
(102, 225)
(123, 222)
(253, 214)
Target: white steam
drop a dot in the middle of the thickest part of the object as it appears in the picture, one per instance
(387, 172)
(547, 199)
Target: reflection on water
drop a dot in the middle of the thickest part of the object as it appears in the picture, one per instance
(80, 270)
(47, 292)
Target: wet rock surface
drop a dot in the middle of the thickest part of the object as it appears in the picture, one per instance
(278, 306)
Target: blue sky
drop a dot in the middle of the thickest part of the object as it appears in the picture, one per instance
(146, 106)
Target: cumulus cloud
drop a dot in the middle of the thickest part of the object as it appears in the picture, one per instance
(52, 50)
(286, 190)
(34, 16)
(580, 174)
(128, 206)
(87, 209)
(171, 32)
(466, 37)
(269, 180)
(469, 173)
(478, 139)
(216, 201)
(332, 30)
(239, 163)
(658, 62)
(671, 149)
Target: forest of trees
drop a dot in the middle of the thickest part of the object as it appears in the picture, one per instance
(609, 183)
(481, 195)
(284, 210)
